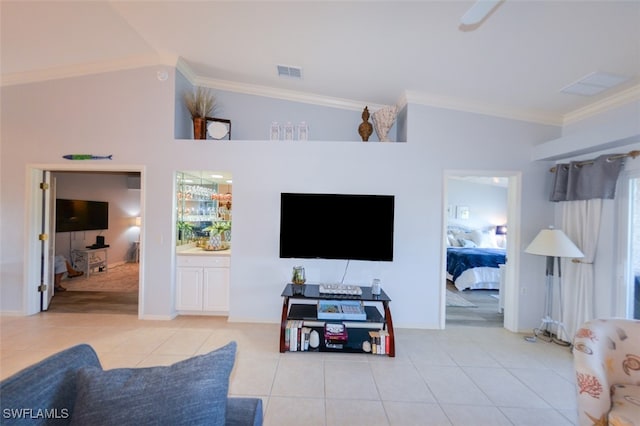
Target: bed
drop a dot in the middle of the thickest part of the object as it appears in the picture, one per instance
(474, 259)
(475, 268)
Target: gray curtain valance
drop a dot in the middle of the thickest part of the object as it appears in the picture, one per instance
(581, 180)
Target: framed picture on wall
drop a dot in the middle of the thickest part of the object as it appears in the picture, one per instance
(462, 212)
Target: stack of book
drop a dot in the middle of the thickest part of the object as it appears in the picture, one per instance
(335, 335)
(380, 342)
(296, 336)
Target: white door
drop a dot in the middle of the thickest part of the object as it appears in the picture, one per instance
(47, 238)
(189, 288)
(216, 290)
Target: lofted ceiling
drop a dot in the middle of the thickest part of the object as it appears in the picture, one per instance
(350, 53)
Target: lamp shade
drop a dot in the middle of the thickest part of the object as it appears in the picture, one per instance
(553, 242)
(138, 221)
(501, 230)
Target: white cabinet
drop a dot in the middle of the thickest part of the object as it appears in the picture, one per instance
(202, 284)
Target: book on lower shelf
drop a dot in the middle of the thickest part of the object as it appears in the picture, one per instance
(335, 333)
(380, 342)
(296, 336)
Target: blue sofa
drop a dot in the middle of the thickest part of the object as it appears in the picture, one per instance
(71, 387)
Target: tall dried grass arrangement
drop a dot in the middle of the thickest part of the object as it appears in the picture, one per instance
(201, 102)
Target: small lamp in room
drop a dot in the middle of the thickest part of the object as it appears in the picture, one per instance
(501, 231)
(552, 243)
(138, 221)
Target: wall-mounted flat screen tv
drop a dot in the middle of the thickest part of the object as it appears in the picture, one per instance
(81, 215)
(336, 226)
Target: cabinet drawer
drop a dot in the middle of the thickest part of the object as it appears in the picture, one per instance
(204, 261)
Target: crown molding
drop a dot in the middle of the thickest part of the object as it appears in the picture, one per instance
(273, 92)
(481, 108)
(79, 70)
(285, 94)
(624, 97)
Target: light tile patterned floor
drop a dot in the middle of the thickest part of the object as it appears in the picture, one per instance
(460, 376)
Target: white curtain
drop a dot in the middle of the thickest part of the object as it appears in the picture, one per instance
(581, 223)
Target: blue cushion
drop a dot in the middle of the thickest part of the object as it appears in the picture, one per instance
(189, 392)
(44, 393)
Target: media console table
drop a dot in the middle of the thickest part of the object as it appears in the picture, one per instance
(88, 259)
(308, 296)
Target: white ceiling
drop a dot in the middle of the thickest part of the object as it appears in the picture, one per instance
(361, 52)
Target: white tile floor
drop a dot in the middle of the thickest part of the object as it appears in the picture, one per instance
(460, 376)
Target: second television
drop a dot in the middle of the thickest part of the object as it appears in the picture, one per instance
(81, 215)
(336, 226)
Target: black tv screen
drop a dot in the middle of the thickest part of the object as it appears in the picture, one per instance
(336, 226)
(81, 215)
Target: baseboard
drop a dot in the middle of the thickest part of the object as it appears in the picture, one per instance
(14, 313)
(157, 317)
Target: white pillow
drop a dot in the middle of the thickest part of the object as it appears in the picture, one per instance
(467, 243)
(484, 239)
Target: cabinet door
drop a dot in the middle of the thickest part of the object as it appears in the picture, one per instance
(216, 289)
(189, 289)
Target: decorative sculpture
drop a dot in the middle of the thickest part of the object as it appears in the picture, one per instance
(383, 121)
(87, 157)
(365, 128)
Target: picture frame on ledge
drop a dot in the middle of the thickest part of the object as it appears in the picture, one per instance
(218, 128)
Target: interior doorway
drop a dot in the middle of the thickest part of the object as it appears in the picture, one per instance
(494, 303)
(95, 293)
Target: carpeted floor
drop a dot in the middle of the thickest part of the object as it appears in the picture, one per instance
(114, 291)
(120, 278)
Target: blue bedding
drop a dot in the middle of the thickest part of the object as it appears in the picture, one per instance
(460, 259)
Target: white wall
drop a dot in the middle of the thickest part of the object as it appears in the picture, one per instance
(129, 114)
(487, 203)
(614, 128)
(124, 206)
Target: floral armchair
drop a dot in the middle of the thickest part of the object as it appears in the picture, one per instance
(607, 363)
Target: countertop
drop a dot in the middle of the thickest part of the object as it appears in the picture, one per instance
(190, 250)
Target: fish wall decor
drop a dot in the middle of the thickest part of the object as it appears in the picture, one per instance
(87, 157)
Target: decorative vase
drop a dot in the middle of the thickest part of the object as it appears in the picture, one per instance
(215, 241)
(199, 128)
(298, 276)
(383, 121)
(365, 129)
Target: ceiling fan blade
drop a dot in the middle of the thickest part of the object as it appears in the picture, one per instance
(479, 11)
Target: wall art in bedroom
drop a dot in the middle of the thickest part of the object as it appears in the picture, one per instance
(462, 212)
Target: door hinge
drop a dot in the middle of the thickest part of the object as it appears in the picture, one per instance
(44, 186)
(43, 237)
(42, 288)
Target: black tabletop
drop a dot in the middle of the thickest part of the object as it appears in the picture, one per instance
(312, 291)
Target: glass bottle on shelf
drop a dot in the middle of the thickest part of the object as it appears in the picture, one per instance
(303, 131)
(288, 131)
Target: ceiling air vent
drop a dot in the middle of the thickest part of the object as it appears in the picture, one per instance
(291, 72)
(594, 83)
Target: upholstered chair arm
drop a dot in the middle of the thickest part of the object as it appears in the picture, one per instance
(605, 353)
